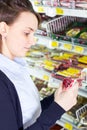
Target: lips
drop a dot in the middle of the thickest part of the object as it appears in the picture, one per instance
(26, 48)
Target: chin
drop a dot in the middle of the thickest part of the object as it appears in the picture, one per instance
(22, 55)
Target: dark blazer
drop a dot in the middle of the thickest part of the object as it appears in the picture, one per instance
(10, 109)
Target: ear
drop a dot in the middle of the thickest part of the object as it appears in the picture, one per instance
(3, 29)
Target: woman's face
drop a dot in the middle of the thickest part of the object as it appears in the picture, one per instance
(20, 35)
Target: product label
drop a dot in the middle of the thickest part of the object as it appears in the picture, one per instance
(68, 46)
(68, 126)
(54, 44)
(41, 9)
(36, 2)
(59, 11)
(46, 77)
(78, 49)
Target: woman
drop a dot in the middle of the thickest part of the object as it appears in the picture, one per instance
(20, 106)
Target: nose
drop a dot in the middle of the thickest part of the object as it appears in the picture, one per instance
(31, 40)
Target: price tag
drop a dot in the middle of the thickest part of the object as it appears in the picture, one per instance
(46, 77)
(68, 46)
(59, 11)
(36, 2)
(48, 62)
(54, 83)
(54, 44)
(68, 126)
(41, 9)
(78, 49)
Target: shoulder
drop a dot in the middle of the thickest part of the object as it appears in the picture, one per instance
(3, 77)
(9, 95)
(9, 105)
(5, 82)
(6, 86)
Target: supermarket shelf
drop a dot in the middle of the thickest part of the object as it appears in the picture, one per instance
(53, 11)
(53, 82)
(83, 90)
(73, 47)
(39, 73)
(43, 40)
(63, 45)
(67, 119)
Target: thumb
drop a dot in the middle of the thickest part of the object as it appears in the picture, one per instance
(59, 90)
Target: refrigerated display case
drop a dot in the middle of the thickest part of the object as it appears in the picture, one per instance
(65, 36)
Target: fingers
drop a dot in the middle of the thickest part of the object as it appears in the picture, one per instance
(75, 86)
(74, 101)
(59, 90)
(66, 98)
(73, 89)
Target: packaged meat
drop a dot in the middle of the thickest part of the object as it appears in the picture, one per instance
(73, 32)
(83, 35)
(70, 82)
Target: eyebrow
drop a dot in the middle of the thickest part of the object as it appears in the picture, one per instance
(31, 28)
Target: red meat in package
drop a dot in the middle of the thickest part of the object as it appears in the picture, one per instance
(69, 82)
(81, 4)
(67, 3)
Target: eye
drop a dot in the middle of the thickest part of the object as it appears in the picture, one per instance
(26, 33)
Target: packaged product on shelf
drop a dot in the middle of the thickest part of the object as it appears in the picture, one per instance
(73, 32)
(40, 83)
(79, 111)
(46, 91)
(72, 72)
(37, 2)
(84, 74)
(59, 61)
(50, 3)
(40, 48)
(82, 4)
(82, 59)
(76, 28)
(37, 51)
(41, 32)
(49, 65)
(63, 57)
(59, 58)
(82, 65)
(36, 54)
(83, 127)
(67, 3)
(83, 35)
(81, 1)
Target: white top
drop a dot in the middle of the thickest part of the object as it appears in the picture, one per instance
(17, 71)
